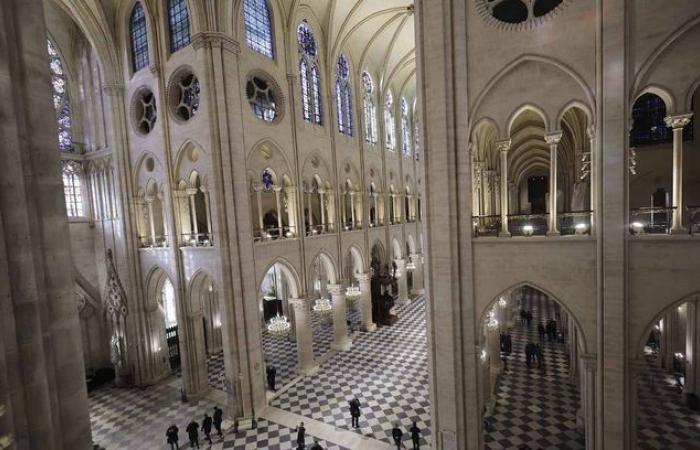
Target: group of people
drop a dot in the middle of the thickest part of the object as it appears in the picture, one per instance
(301, 439)
(396, 432)
(193, 429)
(525, 317)
(549, 330)
(533, 351)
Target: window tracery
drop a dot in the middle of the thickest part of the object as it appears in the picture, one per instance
(309, 74)
(369, 109)
(343, 96)
(139, 38)
(258, 27)
(405, 130)
(61, 99)
(389, 126)
(179, 24)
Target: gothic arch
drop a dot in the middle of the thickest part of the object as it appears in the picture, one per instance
(641, 339)
(290, 275)
(328, 264)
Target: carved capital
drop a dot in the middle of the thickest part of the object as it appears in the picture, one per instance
(553, 137)
(503, 145)
(678, 121)
(212, 39)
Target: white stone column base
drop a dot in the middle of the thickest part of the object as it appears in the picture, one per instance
(368, 328)
(342, 346)
(553, 233)
(310, 370)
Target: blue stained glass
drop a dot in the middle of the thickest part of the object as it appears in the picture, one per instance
(405, 129)
(343, 96)
(179, 24)
(267, 180)
(258, 26)
(648, 125)
(139, 38)
(309, 75)
(61, 102)
(306, 39)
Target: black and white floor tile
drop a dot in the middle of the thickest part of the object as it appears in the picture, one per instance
(136, 419)
(387, 370)
(534, 406)
(663, 419)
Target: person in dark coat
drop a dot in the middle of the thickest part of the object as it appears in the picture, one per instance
(415, 436)
(509, 344)
(193, 434)
(540, 331)
(529, 318)
(271, 374)
(218, 419)
(529, 350)
(172, 436)
(206, 426)
(539, 356)
(397, 434)
(301, 436)
(355, 412)
(316, 446)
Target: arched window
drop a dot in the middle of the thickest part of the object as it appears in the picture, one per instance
(343, 96)
(368, 109)
(179, 24)
(72, 188)
(648, 125)
(61, 100)
(405, 130)
(139, 38)
(309, 74)
(258, 26)
(389, 126)
(168, 302)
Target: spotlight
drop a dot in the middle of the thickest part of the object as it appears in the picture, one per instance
(528, 230)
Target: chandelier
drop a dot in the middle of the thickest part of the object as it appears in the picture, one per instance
(352, 294)
(278, 326)
(502, 302)
(492, 322)
(410, 265)
(323, 307)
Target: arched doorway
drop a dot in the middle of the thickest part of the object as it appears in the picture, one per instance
(527, 340)
(204, 316)
(322, 274)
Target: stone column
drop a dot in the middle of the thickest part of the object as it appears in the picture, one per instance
(553, 139)
(503, 146)
(692, 349)
(365, 301)
(352, 209)
(152, 224)
(311, 215)
(291, 193)
(493, 346)
(193, 212)
(278, 205)
(637, 370)
(322, 199)
(417, 260)
(401, 280)
(341, 340)
(207, 212)
(588, 395)
(376, 208)
(592, 176)
(304, 335)
(258, 198)
(677, 123)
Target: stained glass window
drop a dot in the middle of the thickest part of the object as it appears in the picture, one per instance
(389, 126)
(258, 26)
(61, 100)
(71, 188)
(648, 125)
(267, 180)
(309, 75)
(139, 38)
(405, 130)
(368, 109)
(416, 137)
(261, 98)
(343, 96)
(179, 24)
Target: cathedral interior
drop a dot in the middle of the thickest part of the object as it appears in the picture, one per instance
(480, 219)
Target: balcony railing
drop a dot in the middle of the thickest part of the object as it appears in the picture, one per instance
(651, 220)
(527, 224)
(196, 240)
(575, 222)
(316, 230)
(486, 225)
(153, 241)
(694, 219)
(273, 234)
(351, 226)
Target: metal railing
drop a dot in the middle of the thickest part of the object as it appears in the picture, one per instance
(527, 224)
(693, 219)
(153, 241)
(273, 234)
(486, 225)
(651, 220)
(196, 240)
(316, 230)
(575, 222)
(351, 226)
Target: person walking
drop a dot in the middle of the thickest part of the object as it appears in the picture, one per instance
(218, 419)
(316, 446)
(301, 436)
(415, 436)
(397, 434)
(193, 434)
(509, 343)
(540, 331)
(271, 375)
(172, 436)
(355, 412)
(206, 427)
(529, 318)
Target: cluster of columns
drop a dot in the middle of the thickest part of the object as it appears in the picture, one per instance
(326, 208)
(193, 236)
(351, 220)
(278, 191)
(341, 338)
(677, 123)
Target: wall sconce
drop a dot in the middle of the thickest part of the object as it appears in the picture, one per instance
(528, 230)
(581, 228)
(637, 227)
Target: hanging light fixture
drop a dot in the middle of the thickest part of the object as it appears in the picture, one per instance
(278, 326)
(492, 322)
(352, 295)
(411, 266)
(323, 308)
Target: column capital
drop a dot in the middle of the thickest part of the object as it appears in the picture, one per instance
(191, 191)
(277, 188)
(400, 263)
(553, 137)
(321, 191)
(335, 289)
(678, 120)
(363, 277)
(503, 144)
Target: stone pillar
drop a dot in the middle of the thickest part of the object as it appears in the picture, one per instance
(366, 302)
(322, 200)
(493, 347)
(692, 349)
(553, 139)
(291, 194)
(417, 260)
(376, 208)
(258, 198)
(207, 212)
(401, 280)
(503, 146)
(341, 340)
(309, 206)
(304, 335)
(593, 176)
(588, 395)
(352, 209)
(278, 204)
(677, 123)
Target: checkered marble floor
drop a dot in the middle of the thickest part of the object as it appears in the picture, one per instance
(663, 420)
(136, 419)
(535, 406)
(386, 369)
